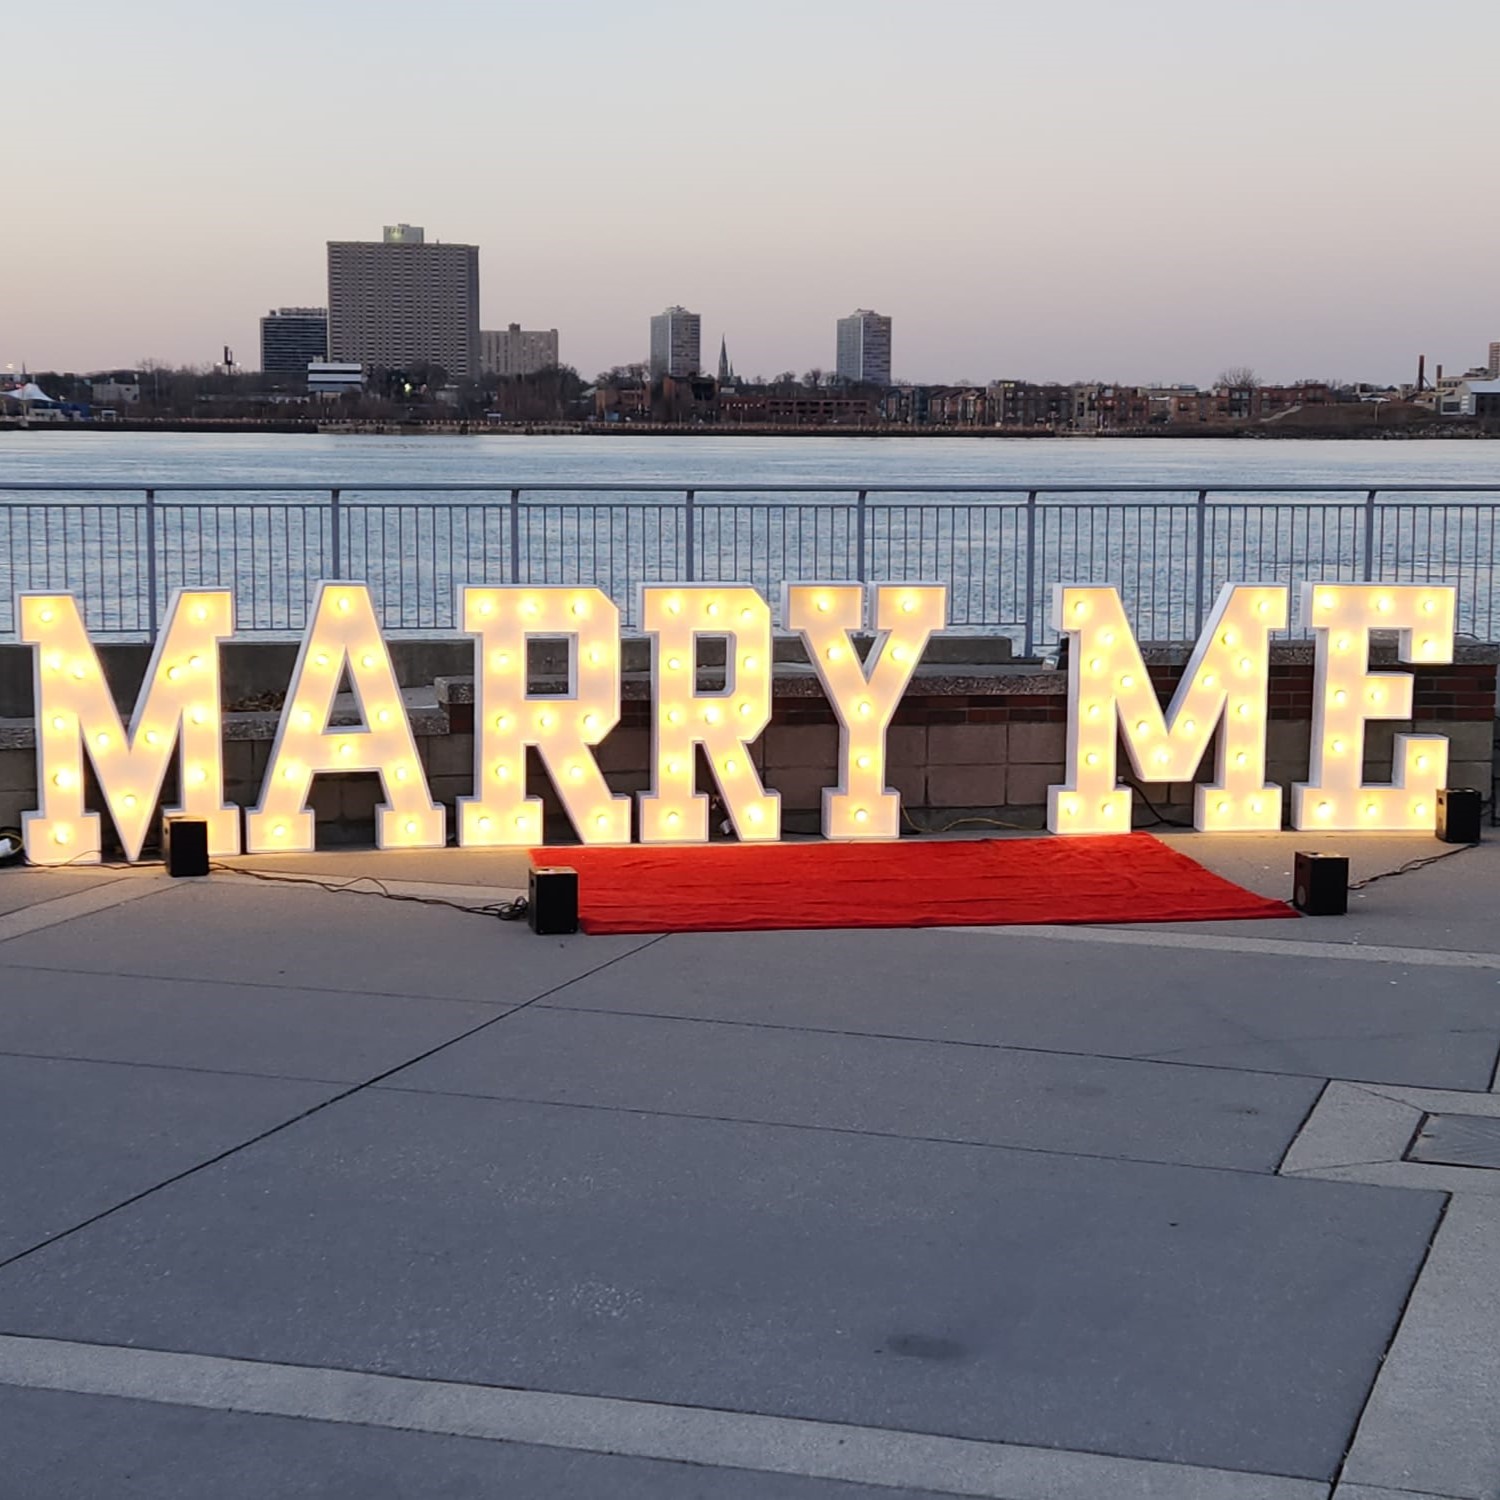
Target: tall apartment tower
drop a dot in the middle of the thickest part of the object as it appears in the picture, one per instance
(675, 336)
(291, 338)
(1495, 361)
(864, 348)
(399, 302)
(516, 350)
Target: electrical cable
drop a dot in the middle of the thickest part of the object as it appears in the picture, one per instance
(505, 911)
(1409, 866)
(916, 827)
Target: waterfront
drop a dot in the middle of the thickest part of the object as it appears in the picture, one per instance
(995, 522)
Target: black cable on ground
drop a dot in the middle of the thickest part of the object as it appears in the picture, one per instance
(1410, 865)
(505, 911)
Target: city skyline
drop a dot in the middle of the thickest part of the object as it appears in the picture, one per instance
(1150, 196)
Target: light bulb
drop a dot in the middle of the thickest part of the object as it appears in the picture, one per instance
(63, 778)
(1223, 807)
(713, 609)
(1207, 679)
(1341, 696)
(486, 606)
(590, 720)
(711, 715)
(1240, 759)
(172, 672)
(860, 815)
(1428, 605)
(579, 607)
(1326, 601)
(863, 762)
(730, 767)
(502, 721)
(1127, 681)
(58, 722)
(484, 825)
(1227, 638)
(747, 615)
(822, 604)
(674, 663)
(1243, 710)
(197, 716)
(62, 835)
(411, 826)
(102, 741)
(1096, 664)
(1383, 604)
(346, 749)
(754, 814)
(1419, 808)
(1091, 758)
(401, 773)
(1245, 663)
(200, 613)
(305, 719)
(1323, 809)
(575, 773)
(46, 616)
(500, 660)
(1080, 609)
(501, 772)
(520, 820)
(321, 659)
(673, 819)
(195, 661)
(834, 653)
(601, 821)
(1421, 762)
(278, 830)
(673, 606)
(383, 717)
(1141, 726)
(673, 716)
(1371, 808)
(1255, 805)
(898, 653)
(751, 664)
(367, 660)
(1107, 637)
(129, 799)
(1189, 725)
(344, 605)
(673, 767)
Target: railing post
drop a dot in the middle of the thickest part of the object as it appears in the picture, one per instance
(515, 536)
(151, 562)
(859, 534)
(1370, 536)
(1200, 604)
(690, 559)
(336, 533)
(1029, 647)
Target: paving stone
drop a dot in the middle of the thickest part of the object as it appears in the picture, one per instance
(81, 1137)
(1217, 1318)
(103, 1448)
(1135, 1110)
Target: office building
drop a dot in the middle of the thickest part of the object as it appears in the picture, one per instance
(1494, 364)
(675, 336)
(291, 338)
(864, 348)
(326, 378)
(399, 302)
(516, 350)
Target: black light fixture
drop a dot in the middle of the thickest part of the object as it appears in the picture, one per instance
(1320, 883)
(552, 900)
(184, 846)
(1458, 814)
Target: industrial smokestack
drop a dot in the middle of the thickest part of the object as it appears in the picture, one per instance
(1421, 373)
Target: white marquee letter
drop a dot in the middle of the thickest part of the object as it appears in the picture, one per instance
(343, 632)
(178, 699)
(864, 698)
(561, 726)
(1226, 679)
(723, 723)
(1346, 694)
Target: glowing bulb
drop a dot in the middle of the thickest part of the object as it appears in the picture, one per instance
(593, 656)
(601, 821)
(102, 741)
(1326, 601)
(172, 672)
(197, 716)
(673, 716)
(54, 664)
(1227, 638)
(1341, 696)
(1162, 757)
(411, 826)
(1096, 664)
(62, 835)
(1375, 695)
(401, 773)
(195, 661)
(520, 820)
(290, 773)
(730, 767)
(1093, 710)
(1428, 647)
(152, 737)
(47, 616)
(346, 749)
(1241, 758)
(59, 722)
(129, 799)
(500, 660)
(822, 604)
(673, 819)
(1421, 762)
(1337, 747)
(199, 775)
(1223, 807)
(898, 653)
(544, 721)
(528, 606)
(1342, 643)
(1255, 805)
(1207, 679)
(1189, 725)
(63, 778)
(367, 660)
(754, 814)
(1428, 605)
(674, 662)
(711, 715)
(747, 615)
(713, 609)
(1323, 809)
(590, 720)
(344, 604)
(865, 708)
(751, 663)
(674, 606)
(1419, 808)
(1245, 663)
(501, 772)
(1127, 681)
(279, 831)
(575, 773)
(863, 762)
(1080, 609)
(486, 606)
(484, 825)
(200, 613)
(1263, 607)
(1107, 809)
(580, 607)
(305, 719)
(860, 815)
(1070, 808)
(834, 653)
(1371, 808)
(1383, 604)
(383, 717)
(1243, 710)
(502, 721)
(321, 659)
(1092, 758)
(673, 767)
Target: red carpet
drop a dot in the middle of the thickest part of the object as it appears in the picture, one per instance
(927, 883)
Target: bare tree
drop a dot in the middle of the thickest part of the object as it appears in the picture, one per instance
(1239, 376)
(813, 379)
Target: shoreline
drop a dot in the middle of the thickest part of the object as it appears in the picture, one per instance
(1444, 434)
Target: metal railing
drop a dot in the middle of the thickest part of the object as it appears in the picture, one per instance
(123, 548)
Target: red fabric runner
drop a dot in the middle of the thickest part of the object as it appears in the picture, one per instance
(926, 883)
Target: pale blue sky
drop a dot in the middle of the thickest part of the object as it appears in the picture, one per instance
(1135, 192)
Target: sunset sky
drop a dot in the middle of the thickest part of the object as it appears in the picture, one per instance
(1084, 191)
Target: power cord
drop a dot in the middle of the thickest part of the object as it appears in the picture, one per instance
(916, 827)
(505, 911)
(1409, 866)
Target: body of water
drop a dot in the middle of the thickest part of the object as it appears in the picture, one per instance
(1166, 553)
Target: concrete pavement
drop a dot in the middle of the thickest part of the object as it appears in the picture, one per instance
(319, 1194)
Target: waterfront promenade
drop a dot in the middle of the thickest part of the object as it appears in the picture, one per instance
(322, 1195)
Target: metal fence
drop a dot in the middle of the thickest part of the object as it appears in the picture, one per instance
(123, 549)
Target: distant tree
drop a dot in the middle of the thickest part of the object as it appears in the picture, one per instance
(1238, 375)
(813, 379)
(785, 378)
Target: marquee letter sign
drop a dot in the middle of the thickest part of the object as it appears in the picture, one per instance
(1221, 701)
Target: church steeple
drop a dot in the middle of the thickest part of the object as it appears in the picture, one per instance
(725, 372)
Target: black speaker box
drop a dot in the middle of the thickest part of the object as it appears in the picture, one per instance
(552, 900)
(1320, 884)
(1458, 814)
(184, 846)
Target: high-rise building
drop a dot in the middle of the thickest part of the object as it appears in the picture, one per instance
(291, 338)
(516, 350)
(675, 336)
(864, 348)
(1495, 360)
(399, 302)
